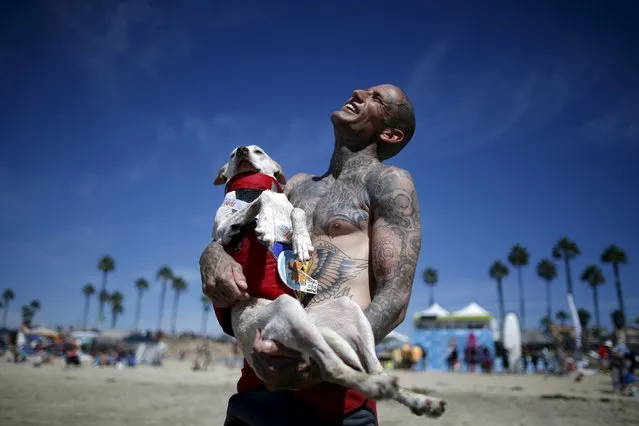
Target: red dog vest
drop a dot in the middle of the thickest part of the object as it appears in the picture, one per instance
(264, 282)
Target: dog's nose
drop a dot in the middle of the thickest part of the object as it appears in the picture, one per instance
(242, 150)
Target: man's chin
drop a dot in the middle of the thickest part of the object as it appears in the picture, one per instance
(341, 117)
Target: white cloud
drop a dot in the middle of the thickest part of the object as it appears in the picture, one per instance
(116, 38)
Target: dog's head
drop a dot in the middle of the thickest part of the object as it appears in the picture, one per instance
(250, 158)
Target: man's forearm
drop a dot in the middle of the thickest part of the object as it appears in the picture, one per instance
(387, 310)
(395, 255)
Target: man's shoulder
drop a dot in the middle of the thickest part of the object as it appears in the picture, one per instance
(297, 180)
(384, 178)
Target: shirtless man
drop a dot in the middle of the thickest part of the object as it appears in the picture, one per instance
(365, 224)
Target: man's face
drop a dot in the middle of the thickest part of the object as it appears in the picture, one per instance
(366, 111)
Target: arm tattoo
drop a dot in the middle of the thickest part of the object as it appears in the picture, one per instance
(333, 269)
(216, 263)
(395, 246)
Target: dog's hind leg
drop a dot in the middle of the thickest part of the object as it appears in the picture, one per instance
(342, 348)
(289, 324)
(353, 331)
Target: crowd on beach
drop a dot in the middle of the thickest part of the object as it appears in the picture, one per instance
(621, 362)
(613, 357)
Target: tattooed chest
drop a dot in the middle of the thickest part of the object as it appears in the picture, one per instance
(341, 210)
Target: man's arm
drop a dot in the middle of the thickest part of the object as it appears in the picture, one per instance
(295, 181)
(395, 244)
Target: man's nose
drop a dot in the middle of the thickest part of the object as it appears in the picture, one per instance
(359, 94)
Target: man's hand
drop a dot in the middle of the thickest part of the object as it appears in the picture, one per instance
(281, 368)
(222, 279)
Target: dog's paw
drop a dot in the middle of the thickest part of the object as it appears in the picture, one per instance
(302, 246)
(229, 233)
(430, 407)
(265, 234)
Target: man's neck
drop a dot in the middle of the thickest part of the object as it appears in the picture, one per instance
(345, 160)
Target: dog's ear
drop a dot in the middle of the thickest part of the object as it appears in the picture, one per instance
(279, 174)
(221, 178)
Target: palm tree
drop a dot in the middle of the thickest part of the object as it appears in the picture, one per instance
(7, 296)
(206, 308)
(431, 278)
(567, 250)
(498, 271)
(35, 307)
(27, 315)
(584, 317)
(116, 307)
(618, 319)
(518, 258)
(179, 286)
(616, 256)
(106, 264)
(88, 290)
(547, 271)
(141, 285)
(103, 297)
(545, 323)
(164, 274)
(593, 276)
(562, 317)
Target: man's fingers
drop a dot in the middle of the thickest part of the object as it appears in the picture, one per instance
(276, 349)
(240, 280)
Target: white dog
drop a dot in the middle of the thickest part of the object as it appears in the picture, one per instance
(345, 356)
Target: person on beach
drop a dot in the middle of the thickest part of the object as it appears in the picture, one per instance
(367, 237)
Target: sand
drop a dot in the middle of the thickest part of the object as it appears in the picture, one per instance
(175, 395)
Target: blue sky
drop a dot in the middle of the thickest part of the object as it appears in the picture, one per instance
(116, 116)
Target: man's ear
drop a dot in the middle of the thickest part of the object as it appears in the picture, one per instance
(392, 136)
(221, 178)
(279, 174)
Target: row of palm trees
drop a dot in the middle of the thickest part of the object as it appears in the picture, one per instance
(164, 275)
(565, 249)
(584, 319)
(28, 311)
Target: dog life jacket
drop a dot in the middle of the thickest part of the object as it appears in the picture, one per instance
(264, 282)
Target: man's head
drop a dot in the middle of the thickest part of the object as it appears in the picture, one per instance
(250, 158)
(381, 114)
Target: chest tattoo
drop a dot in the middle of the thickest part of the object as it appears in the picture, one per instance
(333, 270)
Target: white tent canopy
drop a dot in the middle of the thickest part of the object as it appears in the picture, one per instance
(472, 310)
(394, 335)
(434, 310)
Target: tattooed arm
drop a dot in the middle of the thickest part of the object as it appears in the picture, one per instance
(395, 245)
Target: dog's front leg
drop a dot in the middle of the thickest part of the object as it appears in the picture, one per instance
(228, 223)
(302, 245)
(265, 219)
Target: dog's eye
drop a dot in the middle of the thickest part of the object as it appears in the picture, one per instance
(257, 151)
(232, 155)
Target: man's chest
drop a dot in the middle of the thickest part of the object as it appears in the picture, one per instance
(333, 208)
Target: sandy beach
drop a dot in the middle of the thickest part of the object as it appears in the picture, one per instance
(175, 395)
